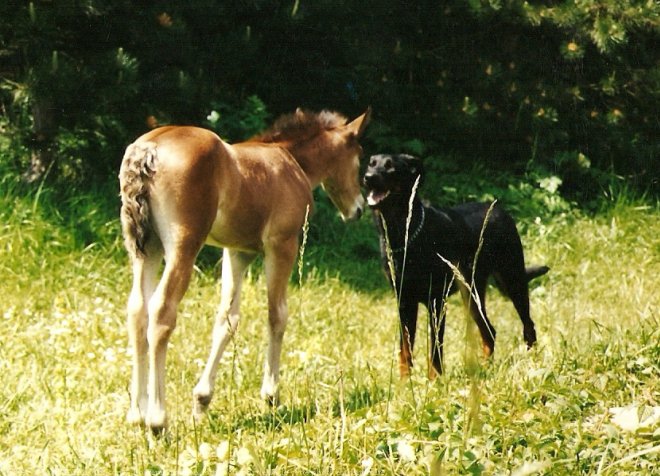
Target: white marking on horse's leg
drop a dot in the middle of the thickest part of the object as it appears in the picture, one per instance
(144, 282)
(277, 319)
(162, 321)
(234, 264)
(278, 263)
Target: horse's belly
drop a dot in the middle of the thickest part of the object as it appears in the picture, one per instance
(260, 208)
(240, 233)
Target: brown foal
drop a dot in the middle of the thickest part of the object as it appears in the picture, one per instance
(182, 187)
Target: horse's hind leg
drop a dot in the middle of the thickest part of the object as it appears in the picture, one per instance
(144, 281)
(279, 260)
(162, 321)
(234, 264)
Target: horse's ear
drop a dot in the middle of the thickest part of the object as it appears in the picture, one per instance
(359, 124)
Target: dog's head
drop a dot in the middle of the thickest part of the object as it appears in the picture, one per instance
(391, 177)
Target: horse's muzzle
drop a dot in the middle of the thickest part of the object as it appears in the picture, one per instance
(356, 213)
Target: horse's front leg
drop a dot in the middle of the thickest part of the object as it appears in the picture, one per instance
(234, 264)
(144, 283)
(279, 262)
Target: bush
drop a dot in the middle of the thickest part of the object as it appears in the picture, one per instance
(488, 82)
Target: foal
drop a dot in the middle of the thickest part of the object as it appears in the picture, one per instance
(182, 187)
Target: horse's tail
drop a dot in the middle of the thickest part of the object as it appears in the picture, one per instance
(137, 169)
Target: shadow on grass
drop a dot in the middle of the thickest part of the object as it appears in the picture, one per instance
(267, 421)
(358, 399)
(273, 420)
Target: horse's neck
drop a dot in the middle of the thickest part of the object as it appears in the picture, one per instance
(312, 163)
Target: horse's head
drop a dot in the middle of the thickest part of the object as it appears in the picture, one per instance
(328, 150)
(342, 180)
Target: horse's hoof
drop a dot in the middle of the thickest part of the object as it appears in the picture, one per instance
(135, 417)
(272, 400)
(158, 431)
(157, 422)
(200, 405)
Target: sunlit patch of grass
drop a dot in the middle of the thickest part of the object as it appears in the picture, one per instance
(581, 402)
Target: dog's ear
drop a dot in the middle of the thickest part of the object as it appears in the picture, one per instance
(415, 166)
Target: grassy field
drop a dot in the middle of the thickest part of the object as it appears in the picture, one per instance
(586, 400)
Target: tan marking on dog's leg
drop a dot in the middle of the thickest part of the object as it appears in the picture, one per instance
(478, 313)
(433, 374)
(405, 355)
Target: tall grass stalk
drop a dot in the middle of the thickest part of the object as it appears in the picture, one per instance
(411, 201)
(472, 364)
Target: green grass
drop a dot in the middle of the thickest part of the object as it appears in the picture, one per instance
(65, 365)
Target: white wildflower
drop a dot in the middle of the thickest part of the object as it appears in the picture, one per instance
(406, 451)
(205, 451)
(243, 456)
(222, 451)
(222, 469)
(367, 464)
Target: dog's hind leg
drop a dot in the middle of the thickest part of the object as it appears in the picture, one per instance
(515, 287)
(408, 322)
(437, 334)
(520, 297)
(477, 308)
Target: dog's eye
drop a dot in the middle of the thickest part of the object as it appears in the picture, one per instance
(388, 164)
(372, 163)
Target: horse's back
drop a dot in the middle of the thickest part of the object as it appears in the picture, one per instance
(238, 196)
(184, 147)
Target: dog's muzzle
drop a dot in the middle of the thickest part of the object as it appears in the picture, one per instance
(376, 191)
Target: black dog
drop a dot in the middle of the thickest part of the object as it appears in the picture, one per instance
(455, 234)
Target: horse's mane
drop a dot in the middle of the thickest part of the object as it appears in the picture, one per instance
(301, 125)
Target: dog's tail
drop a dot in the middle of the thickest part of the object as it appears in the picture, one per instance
(137, 168)
(533, 272)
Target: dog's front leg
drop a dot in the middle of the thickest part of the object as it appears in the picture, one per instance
(407, 331)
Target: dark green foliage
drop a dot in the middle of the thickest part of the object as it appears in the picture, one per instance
(558, 88)
(236, 123)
